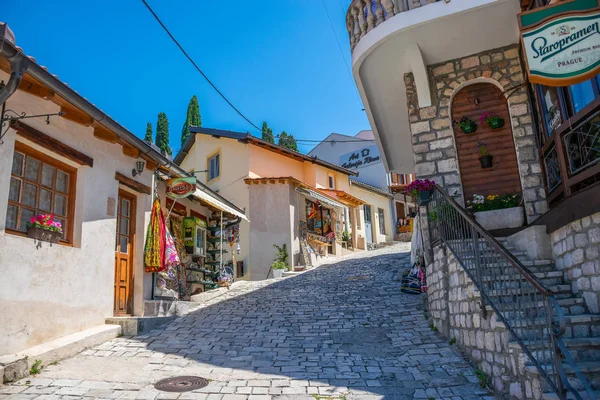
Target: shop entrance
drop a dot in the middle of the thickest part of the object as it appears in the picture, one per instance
(368, 224)
(125, 240)
(503, 177)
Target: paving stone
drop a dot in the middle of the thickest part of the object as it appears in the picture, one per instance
(343, 329)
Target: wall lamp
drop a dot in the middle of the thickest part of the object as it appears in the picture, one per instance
(139, 168)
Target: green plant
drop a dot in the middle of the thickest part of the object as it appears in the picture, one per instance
(279, 265)
(489, 118)
(431, 398)
(452, 341)
(493, 202)
(433, 327)
(282, 254)
(465, 123)
(36, 368)
(346, 237)
(483, 379)
(433, 216)
(483, 149)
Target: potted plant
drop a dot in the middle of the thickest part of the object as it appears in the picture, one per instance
(278, 267)
(497, 211)
(485, 159)
(421, 190)
(43, 227)
(493, 120)
(280, 262)
(467, 125)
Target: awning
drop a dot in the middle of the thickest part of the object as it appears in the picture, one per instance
(202, 195)
(320, 197)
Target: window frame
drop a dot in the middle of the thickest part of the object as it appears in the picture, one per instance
(209, 168)
(566, 106)
(331, 181)
(71, 191)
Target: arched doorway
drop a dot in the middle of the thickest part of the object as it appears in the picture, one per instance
(472, 101)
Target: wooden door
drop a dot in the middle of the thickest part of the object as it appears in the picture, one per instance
(125, 242)
(503, 177)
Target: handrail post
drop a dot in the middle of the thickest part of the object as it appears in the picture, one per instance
(478, 267)
(557, 353)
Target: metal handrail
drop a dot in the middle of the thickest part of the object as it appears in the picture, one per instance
(537, 330)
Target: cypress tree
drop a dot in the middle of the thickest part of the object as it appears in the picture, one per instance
(288, 141)
(193, 118)
(267, 133)
(162, 133)
(148, 137)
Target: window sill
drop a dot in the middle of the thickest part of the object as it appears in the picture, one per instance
(24, 236)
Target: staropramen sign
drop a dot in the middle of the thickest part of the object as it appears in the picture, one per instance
(563, 49)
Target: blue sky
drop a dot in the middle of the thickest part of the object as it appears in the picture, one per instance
(276, 60)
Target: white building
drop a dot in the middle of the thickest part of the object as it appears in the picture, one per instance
(361, 154)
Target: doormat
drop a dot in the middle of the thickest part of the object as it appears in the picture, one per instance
(181, 384)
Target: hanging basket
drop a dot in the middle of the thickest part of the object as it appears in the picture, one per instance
(43, 235)
(469, 128)
(425, 197)
(496, 123)
(486, 161)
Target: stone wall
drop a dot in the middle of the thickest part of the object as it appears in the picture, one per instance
(576, 251)
(433, 135)
(454, 309)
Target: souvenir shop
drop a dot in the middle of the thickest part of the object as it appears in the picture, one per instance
(321, 223)
(192, 241)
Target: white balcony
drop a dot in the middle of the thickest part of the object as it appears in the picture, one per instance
(390, 38)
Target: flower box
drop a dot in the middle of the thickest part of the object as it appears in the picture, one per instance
(496, 123)
(43, 235)
(425, 197)
(500, 219)
(469, 128)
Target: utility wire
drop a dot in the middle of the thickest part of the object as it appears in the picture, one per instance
(342, 52)
(196, 66)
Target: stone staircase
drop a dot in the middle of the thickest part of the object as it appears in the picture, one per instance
(582, 334)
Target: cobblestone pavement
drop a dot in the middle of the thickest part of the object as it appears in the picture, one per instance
(341, 331)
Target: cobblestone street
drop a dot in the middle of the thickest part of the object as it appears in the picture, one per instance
(341, 331)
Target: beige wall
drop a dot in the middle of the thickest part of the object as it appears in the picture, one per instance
(376, 201)
(53, 291)
(265, 163)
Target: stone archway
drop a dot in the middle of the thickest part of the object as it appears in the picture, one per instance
(472, 101)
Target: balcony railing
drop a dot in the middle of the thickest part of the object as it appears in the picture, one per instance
(364, 15)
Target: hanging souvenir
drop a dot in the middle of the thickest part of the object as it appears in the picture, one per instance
(154, 249)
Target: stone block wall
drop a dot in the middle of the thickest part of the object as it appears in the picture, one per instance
(434, 148)
(454, 308)
(576, 251)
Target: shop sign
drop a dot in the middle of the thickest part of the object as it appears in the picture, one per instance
(361, 158)
(563, 49)
(181, 187)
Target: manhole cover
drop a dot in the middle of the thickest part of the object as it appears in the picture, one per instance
(181, 384)
(358, 278)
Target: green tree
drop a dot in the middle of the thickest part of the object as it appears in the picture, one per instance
(288, 141)
(267, 133)
(162, 133)
(148, 137)
(193, 118)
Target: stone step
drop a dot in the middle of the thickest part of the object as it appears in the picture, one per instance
(569, 305)
(577, 326)
(582, 349)
(504, 292)
(548, 278)
(571, 396)
(589, 369)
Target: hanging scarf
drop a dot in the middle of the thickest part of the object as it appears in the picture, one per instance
(154, 250)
